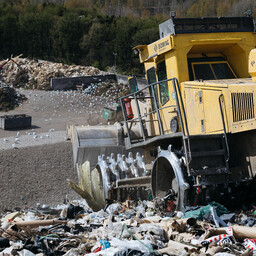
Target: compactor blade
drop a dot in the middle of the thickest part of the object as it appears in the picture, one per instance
(88, 143)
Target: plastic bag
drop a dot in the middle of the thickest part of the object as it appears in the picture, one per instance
(143, 246)
(72, 252)
(152, 229)
(140, 209)
(199, 213)
(25, 252)
(113, 209)
(224, 254)
(131, 252)
(105, 244)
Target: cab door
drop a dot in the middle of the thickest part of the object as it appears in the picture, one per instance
(164, 97)
(154, 102)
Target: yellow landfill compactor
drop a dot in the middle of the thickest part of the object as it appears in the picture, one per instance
(189, 136)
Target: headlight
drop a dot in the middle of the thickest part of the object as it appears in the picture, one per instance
(174, 125)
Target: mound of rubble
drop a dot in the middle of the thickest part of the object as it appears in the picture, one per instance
(127, 229)
(36, 74)
(107, 89)
(9, 97)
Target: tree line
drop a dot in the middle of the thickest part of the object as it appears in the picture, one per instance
(73, 35)
(101, 33)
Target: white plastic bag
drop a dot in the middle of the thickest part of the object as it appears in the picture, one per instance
(113, 208)
(143, 245)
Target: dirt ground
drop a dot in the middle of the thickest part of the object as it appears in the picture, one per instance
(37, 172)
(57, 109)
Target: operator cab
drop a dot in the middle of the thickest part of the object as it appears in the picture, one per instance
(189, 49)
(213, 48)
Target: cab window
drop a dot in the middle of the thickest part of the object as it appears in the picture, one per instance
(151, 77)
(163, 86)
(222, 71)
(211, 70)
(203, 71)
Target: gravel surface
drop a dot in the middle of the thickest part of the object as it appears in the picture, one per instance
(57, 109)
(35, 162)
(32, 139)
(36, 174)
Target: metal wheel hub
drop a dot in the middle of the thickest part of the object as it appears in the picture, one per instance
(167, 175)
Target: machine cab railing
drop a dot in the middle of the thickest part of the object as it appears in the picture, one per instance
(138, 126)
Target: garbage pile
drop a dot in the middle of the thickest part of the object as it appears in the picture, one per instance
(36, 74)
(127, 229)
(107, 89)
(9, 97)
(110, 90)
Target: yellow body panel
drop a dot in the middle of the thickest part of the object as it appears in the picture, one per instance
(252, 64)
(239, 106)
(234, 46)
(194, 109)
(213, 122)
(205, 117)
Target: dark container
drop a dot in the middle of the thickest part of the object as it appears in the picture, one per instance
(12, 122)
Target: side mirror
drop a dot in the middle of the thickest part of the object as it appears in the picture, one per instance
(132, 84)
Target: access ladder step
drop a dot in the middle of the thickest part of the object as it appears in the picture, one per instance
(210, 171)
(209, 153)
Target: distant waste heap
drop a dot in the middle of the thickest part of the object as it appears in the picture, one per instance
(36, 74)
(9, 98)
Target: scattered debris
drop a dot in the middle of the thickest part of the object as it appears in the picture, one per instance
(120, 229)
(201, 212)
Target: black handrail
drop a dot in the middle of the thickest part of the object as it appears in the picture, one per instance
(139, 116)
(151, 112)
(133, 95)
(125, 120)
(175, 86)
(224, 127)
(144, 88)
(157, 110)
(179, 101)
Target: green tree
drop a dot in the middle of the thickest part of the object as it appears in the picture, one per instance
(97, 43)
(125, 29)
(9, 34)
(66, 36)
(28, 26)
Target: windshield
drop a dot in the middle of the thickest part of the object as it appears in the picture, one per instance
(212, 71)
